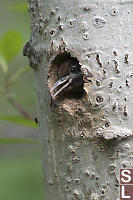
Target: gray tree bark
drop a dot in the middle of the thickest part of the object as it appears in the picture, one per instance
(86, 140)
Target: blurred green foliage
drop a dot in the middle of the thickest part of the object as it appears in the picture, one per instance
(19, 120)
(17, 140)
(10, 44)
(21, 88)
(21, 7)
(20, 168)
(20, 178)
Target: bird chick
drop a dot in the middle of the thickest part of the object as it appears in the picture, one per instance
(70, 79)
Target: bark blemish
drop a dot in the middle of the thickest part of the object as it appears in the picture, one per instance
(87, 9)
(46, 20)
(112, 169)
(87, 172)
(71, 150)
(127, 83)
(111, 84)
(114, 107)
(116, 66)
(40, 29)
(76, 193)
(125, 111)
(99, 21)
(98, 60)
(107, 124)
(52, 32)
(94, 197)
(84, 26)
(99, 99)
(98, 83)
(67, 188)
(71, 22)
(61, 27)
(114, 12)
(115, 53)
(58, 18)
(45, 34)
(52, 13)
(85, 36)
(126, 58)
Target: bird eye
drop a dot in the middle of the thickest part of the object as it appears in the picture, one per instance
(73, 69)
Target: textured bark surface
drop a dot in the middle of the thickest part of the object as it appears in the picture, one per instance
(84, 141)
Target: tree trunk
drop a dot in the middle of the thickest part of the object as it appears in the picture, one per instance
(85, 139)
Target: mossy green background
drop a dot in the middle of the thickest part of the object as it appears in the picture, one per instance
(20, 164)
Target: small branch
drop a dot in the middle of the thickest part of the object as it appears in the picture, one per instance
(13, 102)
(18, 107)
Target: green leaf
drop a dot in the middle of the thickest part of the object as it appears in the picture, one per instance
(10, 45)
(3, 65)
(18, 7)
(17, 140)
(19, 120)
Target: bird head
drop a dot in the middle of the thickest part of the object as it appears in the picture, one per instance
(70, 78)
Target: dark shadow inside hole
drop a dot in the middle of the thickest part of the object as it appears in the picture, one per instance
(66, 77)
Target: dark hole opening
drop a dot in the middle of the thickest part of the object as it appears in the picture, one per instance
(65, 77)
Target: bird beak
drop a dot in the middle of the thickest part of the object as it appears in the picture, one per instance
(67, 80)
